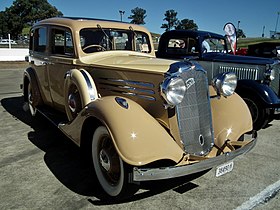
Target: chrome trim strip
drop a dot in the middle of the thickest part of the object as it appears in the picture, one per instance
(89, 85)
(125, 87)
(150, 98)
(130, 88)
(147, 174)
(131, 82)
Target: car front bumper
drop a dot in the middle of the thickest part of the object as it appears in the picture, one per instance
(147, 174)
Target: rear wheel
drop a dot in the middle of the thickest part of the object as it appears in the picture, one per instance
(112, 173)
(260, 114)
(33, 98)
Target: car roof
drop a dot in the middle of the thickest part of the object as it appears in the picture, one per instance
(77, 23)
(191, 33)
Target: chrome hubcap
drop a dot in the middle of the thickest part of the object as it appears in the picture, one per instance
(104, 160)
(72, 103)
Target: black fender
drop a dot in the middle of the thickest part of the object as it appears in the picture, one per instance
(261, 91)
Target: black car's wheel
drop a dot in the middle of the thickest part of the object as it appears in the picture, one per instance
(111, 171)
(260, 114)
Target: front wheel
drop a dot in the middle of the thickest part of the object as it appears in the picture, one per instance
(111, 171)
(260, 114)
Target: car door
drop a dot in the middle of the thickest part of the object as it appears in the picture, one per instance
(39, 60)
(60, 61)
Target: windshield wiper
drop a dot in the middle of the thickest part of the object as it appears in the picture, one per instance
(106, 35)
(135, 34)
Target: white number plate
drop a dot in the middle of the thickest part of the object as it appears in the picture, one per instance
(223, 169)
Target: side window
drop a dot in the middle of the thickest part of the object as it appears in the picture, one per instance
(142, 43)
(62, 42)
(213, 45)
(39, 39)
(182, 46)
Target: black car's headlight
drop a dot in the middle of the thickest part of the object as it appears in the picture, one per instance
(225, 83)
(173, 90)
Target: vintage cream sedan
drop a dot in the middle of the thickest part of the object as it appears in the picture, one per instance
(141, 118)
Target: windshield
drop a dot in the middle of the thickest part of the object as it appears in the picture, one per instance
(99, 39)
(213, 45)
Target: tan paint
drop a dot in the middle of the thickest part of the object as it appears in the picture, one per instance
(138, 137)
(231, 118)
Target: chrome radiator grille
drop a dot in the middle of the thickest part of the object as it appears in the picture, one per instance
(194, 114)
(241, 72)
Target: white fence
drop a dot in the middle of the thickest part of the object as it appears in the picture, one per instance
(13, 54)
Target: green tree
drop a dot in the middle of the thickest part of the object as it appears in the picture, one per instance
(186, 24)
(3, 24)
(171, 19)
(25, 13)
(138, 16)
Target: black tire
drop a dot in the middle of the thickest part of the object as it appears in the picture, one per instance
(112, 173)
(33, 97)
(260, 114)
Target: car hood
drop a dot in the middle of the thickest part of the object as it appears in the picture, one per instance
(128, 60)
(223, 57)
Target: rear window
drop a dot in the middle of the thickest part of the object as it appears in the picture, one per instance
(182, 46)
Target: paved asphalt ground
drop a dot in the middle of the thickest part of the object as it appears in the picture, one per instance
(41, 169)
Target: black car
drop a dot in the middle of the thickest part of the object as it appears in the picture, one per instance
(264, 49)
(258, 78)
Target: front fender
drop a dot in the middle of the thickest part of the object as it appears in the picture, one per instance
(138, 137)
(251, 87)
(231, 118)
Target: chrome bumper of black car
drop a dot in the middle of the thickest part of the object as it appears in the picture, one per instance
(147, 174)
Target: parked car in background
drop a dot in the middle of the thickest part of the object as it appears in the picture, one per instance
(264, 49)
(140, 118)
(6, 41)
(258, 78)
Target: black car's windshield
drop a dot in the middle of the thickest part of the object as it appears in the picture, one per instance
(213, 45)
(99, 39)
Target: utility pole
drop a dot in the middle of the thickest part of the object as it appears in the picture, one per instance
(278, 13)
(263, 31)
(121, 13)
(237, 33)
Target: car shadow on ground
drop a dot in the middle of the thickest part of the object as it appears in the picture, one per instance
(66, 161)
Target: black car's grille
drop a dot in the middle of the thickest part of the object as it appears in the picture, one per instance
(194, 114)
(241, 72)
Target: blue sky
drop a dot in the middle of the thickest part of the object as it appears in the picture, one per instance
(208, 15)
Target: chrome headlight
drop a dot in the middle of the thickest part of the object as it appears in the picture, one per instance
(173, 90)
(225, 83)
(269, 74)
